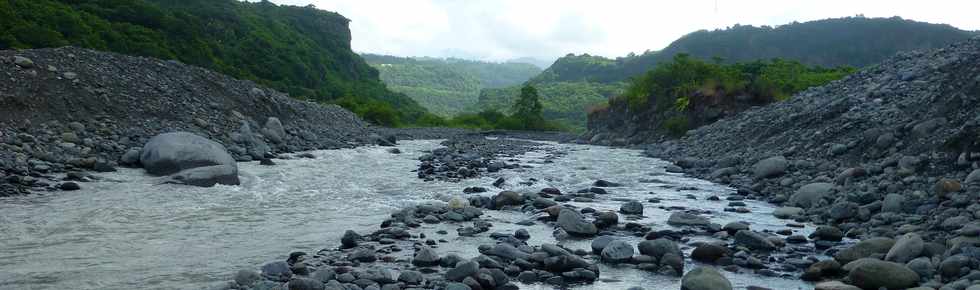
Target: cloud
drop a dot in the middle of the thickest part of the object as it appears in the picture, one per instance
(507, 29)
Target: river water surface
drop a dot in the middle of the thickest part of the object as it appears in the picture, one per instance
(129, 232)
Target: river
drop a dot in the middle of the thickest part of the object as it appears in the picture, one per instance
(127, 231)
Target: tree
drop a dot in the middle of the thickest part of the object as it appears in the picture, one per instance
(528, 108)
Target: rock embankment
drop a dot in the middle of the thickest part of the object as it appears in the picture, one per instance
(70, 110)
(889, 156)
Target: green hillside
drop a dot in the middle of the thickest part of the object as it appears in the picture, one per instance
(300, 50)
(447, 86)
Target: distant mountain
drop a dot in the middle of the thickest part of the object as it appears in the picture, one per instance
(851, 41)
(540, 63)
(300, 50)
(447, 86)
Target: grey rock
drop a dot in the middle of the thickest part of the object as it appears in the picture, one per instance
(705, 278)
(973, 178)
(787, 212)
(277, 271)
(172, 153)
(600, 243)
(572, 222)
(274, 130)
(425, 257)
(864, 249)
(632, 207)
(811, 195)
(686, 219)
(247, 278)
(906, 248)
(23, 62)
(617, 252)
(463, 270)
(893, 202)
(754, 240)
(770, 167)
(875, 274)
(658, 248)
(304, 284)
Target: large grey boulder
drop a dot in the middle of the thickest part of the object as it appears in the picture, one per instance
(754, 240)
(973, 178)
(617, 252)
(705, 278)
(770, 167)
(811, 194)
(574, 223)
(189, 159)
(659, 247)
(274, 131)
(876, 274)
(686, 219)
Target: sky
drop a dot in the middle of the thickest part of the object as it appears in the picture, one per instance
(499, 30)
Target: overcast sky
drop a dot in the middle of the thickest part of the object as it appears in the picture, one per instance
(546, 29)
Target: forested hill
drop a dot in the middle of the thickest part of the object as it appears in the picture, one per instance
(300, 50)
(851, 41)
(447, 86)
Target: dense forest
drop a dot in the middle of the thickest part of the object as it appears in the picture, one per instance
(299, 50)
(687, 92)
(853, 41)
(447, 86)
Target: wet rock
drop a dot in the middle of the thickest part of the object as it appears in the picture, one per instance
(893, 202)
(922, 266)
(754, 240)
(23, 62)
(604, 183)
(734, 227)
(600, 243)
(247, 278)
(69, 186)
(953, 266)
(973, 178)
(827, 233)
(787, 212)
(363, 255)
(945, 187)
(541, 202)
(304, 284)
(606, 218)
(658, 248)
(574, 223)
(131, 157)
(507, 198)
(906, 248)
(632, 207)
(425, 257)
(834, 285)
(875, 274)
(508, 252)
(277, 271)
(864, 249)
(821, 269)
(462, 271)
(770, 167)
(709, 253)
(617, 252)
(349, 240)
(686, 219)
(324, 275)
(194, 159)
(705, 278)
(274, 130)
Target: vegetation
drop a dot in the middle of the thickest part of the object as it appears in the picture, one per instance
(563, 103)
(447, 86)
(851, 41)
(674, 88)
(299, 50)
(526, 114)
(527, 109)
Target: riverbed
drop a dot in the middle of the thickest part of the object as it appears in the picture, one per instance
(129, 231)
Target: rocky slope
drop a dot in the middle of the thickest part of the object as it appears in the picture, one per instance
(71, 109)
(888, 156)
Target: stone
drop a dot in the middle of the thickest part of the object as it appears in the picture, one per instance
(754, 240)
(505, 198)
(875, 274)
(277, 271)
(864, 249)
(827, 233)
(600, 243)
(686, 219)
(324, 275)
(69, 186)
(131, 157)
(834, 285)
(893, 202)
(945, 186)
(617, 252)
(734, 227)
(542, 202)
(425, 257)
(572, 222)
(274, 130)
(508, 252)
(363, 255)
(247, 278)
(411, 277)
(23, 62)
(191, 159)
(906, 248)
(770, 167)
(349, 239)
(973, 178)
(787, 212)
(632, 207)
(811, 195)
(843, 210)
(462, 271)
(705, 278)
(304, 284)
(709, 253)
(659, 247)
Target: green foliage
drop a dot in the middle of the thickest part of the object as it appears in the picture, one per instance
(299, 50)
(850, 41)
(563, 103)
(677, 125)
(680, 83)
(447, 86)
(528, 109)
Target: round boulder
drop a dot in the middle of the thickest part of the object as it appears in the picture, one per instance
(705, 278)
(194, 159)
(876, 274)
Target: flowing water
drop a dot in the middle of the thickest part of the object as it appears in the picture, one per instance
(127, 231)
